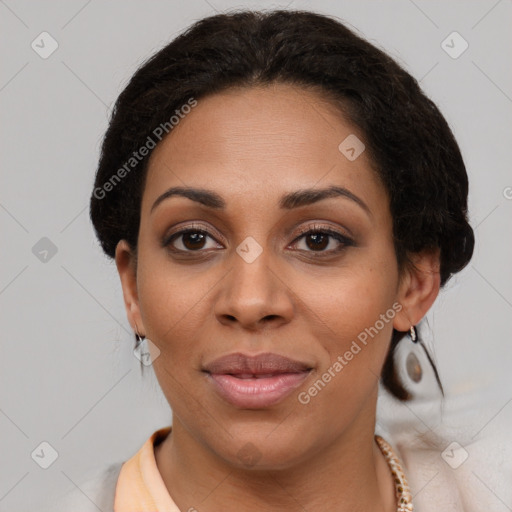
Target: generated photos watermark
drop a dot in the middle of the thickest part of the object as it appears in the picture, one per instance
(304, 397)
(137, 156)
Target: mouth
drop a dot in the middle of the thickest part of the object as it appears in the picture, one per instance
(255, 382)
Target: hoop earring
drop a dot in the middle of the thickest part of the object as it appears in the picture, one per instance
(138, 337)
(413, 334)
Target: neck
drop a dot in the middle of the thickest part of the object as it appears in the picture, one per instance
(351, 474)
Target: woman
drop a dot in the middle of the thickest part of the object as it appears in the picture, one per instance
(283, 204)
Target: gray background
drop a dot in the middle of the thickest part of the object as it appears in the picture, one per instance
(67, 374)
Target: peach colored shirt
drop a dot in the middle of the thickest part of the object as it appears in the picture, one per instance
(140, 487)
(434, 484)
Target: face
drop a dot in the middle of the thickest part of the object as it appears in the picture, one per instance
(283, 266)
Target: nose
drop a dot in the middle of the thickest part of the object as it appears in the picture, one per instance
(254, 296)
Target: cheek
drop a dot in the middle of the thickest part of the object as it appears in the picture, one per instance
(173, 308)
(355, 308)
(171, 303)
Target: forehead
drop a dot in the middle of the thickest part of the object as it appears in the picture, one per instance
(260, 140)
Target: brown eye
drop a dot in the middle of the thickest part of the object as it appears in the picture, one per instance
(191, 240)
(322, 240)
(317, 242)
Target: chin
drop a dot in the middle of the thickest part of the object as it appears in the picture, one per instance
(264, 447)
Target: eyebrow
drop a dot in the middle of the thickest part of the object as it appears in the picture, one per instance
(289, 201)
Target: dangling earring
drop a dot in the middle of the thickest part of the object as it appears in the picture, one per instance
(412, 363)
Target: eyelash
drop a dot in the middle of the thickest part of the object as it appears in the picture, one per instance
(310, 230)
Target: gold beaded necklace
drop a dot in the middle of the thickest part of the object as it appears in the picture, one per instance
(402, 491)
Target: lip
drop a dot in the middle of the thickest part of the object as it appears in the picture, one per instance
(255, 382)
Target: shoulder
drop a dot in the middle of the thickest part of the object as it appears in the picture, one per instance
(95, 491)
(456, 452)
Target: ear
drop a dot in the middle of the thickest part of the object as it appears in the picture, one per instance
(418, 288)
(127, 268)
